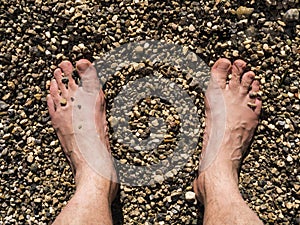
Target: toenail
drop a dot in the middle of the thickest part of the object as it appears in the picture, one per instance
(224, 66)
(83, 66)
(240, 63)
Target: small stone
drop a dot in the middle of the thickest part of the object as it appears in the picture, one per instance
(79, 2)
(48, 34)
(242, 10)
(260, 53)
(139, 49)
(289, 205)
(158, 178)
(5, 97)
(30, 158)
(48, 171)
(235, 53)
(81, 46)
(169, 175)
(123, 161)
(6, 136)
(37, 200)
(126, 189)
(291, 15)
(271, 126)
(192, 28)
(174, 26)
(278, 190)
(140, 200)
(21, 217)
(3, 106)
(289, 158)
(190, 196)
(114, 18)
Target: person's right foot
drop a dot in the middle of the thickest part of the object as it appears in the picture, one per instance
(78, 116)
(242, 106)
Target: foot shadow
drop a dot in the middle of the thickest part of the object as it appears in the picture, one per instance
(117, 212)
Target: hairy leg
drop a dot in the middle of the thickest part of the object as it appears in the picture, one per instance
(94, 192)
(217, 183)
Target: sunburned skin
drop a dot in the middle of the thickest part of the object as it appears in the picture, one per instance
(217, 182)
(78, 116)
(234, 97)
(80, 124)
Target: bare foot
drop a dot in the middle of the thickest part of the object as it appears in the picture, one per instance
(78, 116)
(218, 172)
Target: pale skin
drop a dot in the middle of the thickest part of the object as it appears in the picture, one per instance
(216, 186)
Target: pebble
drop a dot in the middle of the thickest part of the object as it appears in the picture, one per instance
(40, 34)
(139, 49)
(243, 10)
(235, 53)
(30, 158)
(292, 15)
(190, 196)
(192, 28)
(158, 178)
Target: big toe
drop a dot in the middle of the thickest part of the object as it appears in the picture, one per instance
(220, 72)
(88, 75)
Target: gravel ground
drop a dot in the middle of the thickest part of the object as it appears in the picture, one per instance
(36, 181)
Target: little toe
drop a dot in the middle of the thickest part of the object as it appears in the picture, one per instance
(50, 104)
(61, 86)
(258, 107)
(238, 68)
(88, 74)
(254, 102)
(220, 71)
(67, 69)
(247, 81)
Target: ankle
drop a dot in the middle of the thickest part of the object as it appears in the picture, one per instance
(86, 175)
(218, 179)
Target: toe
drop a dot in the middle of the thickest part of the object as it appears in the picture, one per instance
(67, 69)
(88, 74)
(258, 104)
(61, 86)
(50, 104)
(255, 84)
(238, 68)
(255, 102)
(246, 82)
(54, 93)
(220, 71)
(82, 65)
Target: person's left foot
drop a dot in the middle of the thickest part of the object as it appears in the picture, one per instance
(78, 114)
